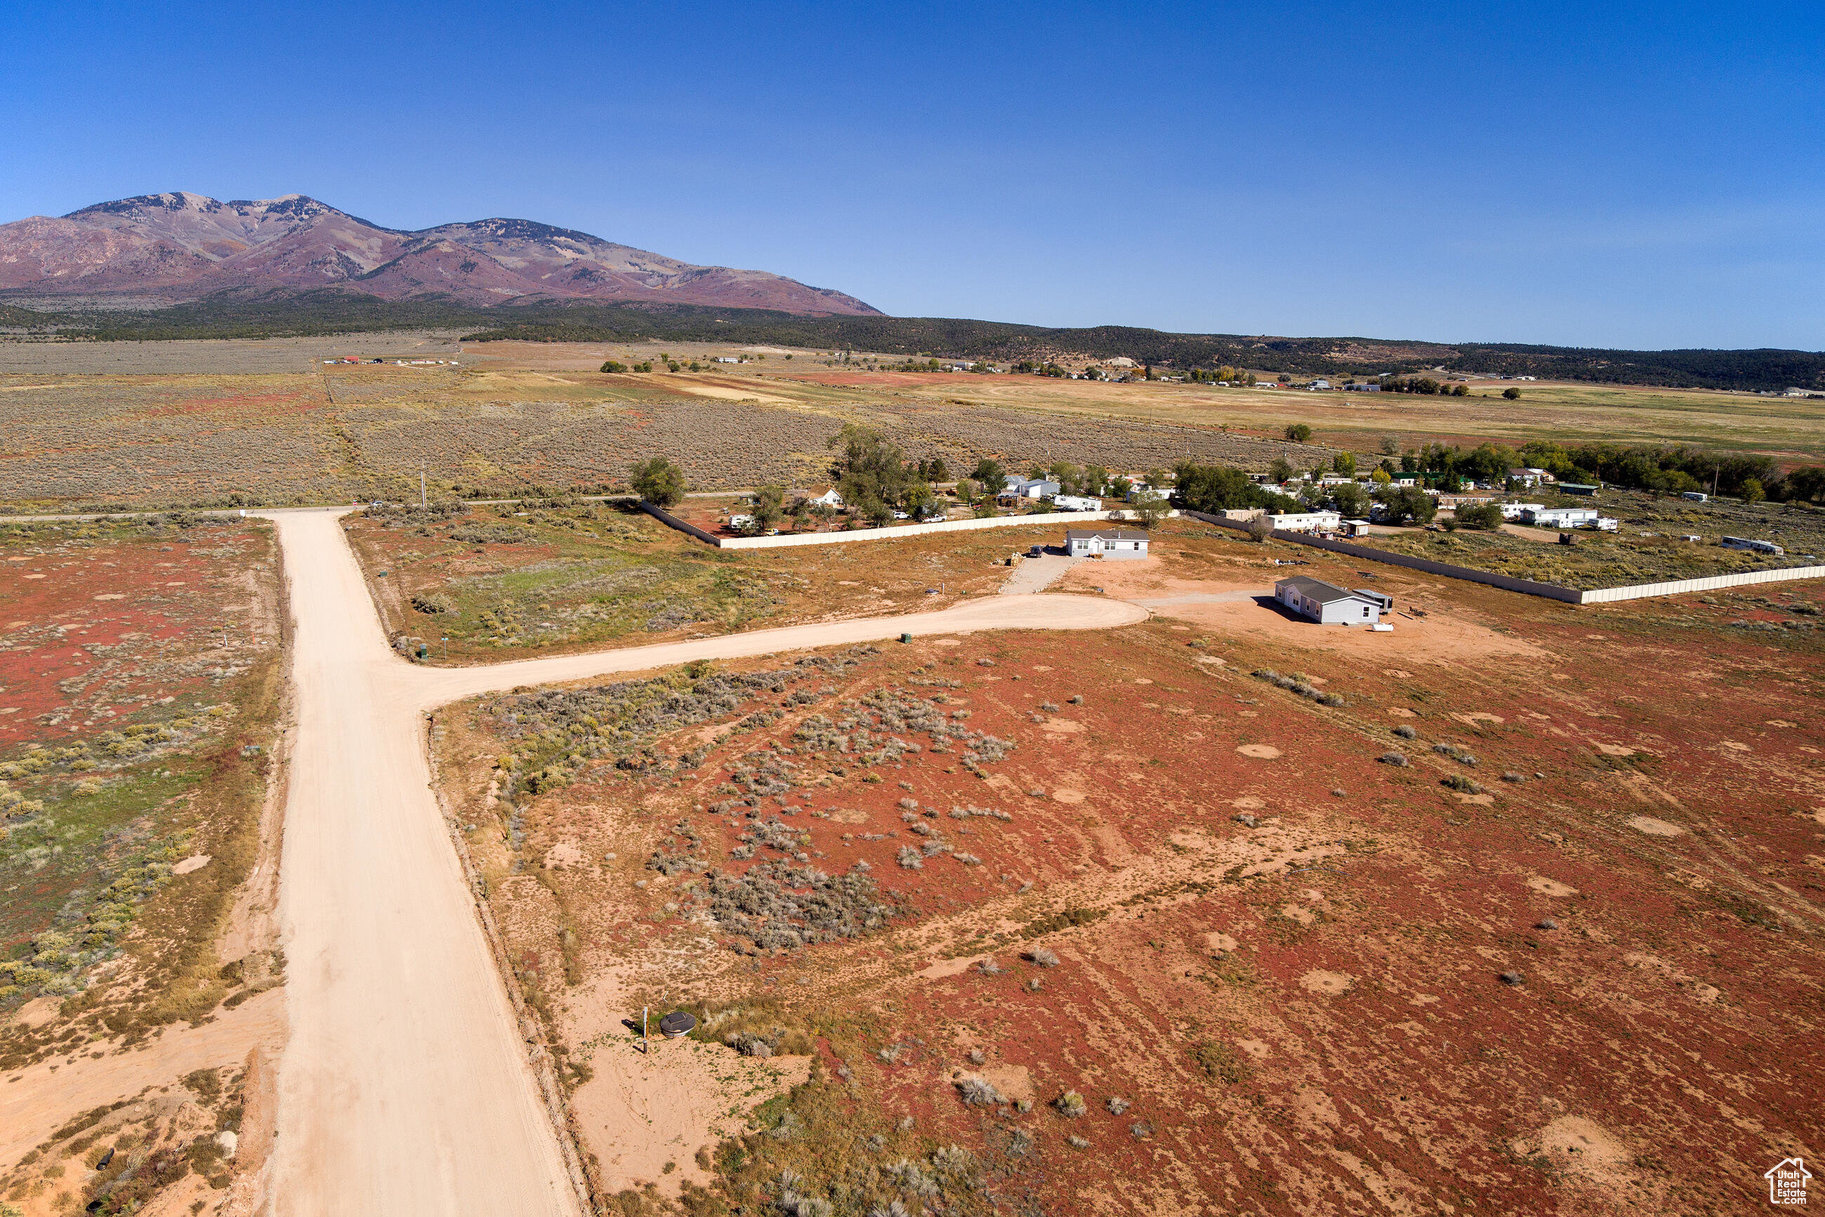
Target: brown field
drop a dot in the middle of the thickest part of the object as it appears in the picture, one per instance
(139, 700)
(930, 893)
(510, 581)
(499, 426)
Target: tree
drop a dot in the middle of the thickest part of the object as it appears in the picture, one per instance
(1149, 510)
(1352, 500)
(658, 481)
(1095, 478)
(1298, 433)
(1260, 528)
(1281, 469)
(1120, 487)
(869, 469)
(1753, 491)
(1408, 505)
(1381, 477)
(1512, 393)
(1344, 463)
(1390, 445)
(966, 491)
(1484, 516)
(614, 365)
(769, 503)
(989, 474)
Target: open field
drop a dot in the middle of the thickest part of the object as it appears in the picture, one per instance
(139, 698)
(1647, 547)
(500, 582)
(1059, 922)
(232, 427)
(356, 432)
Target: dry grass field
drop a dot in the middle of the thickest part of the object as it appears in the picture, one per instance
(1464, 918)
(139, 698)
(173, 424)
(495, 583)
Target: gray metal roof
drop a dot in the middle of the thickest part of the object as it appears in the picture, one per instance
(1319, 590)
(1107, 534)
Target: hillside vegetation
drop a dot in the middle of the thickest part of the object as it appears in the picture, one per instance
(268, 314)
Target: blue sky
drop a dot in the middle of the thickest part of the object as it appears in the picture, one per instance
(1648, 175)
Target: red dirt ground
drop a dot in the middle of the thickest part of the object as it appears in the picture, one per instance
(91, 629)
(1306, 1013)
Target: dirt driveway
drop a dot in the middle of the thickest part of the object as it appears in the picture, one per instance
(406, 1087)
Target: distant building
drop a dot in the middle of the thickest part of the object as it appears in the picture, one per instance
(1367, 386)
(1106, 543)
(1355, 528)
(1318, 386)
(1516, 511)
(1578, 487)
(830, 498)
(1328, 604)
(1696, 496)
(1029, 488)
(1560, 517)
(1307, 521)
(1750, 543)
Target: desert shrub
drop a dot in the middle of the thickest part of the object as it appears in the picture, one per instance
(1406, 732)
(1459, 782)
(1116, 1105)
(1070, 1104)
(1221, 1062)
(1043, 957)
(1397, 759)
(979, 1092)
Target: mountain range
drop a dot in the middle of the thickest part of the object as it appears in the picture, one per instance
(182, 246)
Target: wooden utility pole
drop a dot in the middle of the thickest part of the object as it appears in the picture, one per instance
(421, 490)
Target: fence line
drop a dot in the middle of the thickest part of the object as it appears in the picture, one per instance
(1704, 583)
(892, 532)
(1530, 587)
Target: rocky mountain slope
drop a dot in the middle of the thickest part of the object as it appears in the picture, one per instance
(183, 246)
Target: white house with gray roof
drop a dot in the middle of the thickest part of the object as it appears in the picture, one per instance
(1328, 604)
(1105, 542)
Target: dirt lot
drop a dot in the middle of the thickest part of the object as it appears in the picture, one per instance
(518, 580)
(1108, 922)
(139, 697)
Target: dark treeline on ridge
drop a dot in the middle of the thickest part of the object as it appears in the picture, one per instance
(286, 314)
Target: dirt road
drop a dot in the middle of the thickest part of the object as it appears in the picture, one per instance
(404, 1088)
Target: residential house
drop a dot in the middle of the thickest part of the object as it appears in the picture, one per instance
(1328, 604)
(830, 498)
(1307, 521)
(1365, 386)
(1029, 488)
(1105, 543)
(1560, 517)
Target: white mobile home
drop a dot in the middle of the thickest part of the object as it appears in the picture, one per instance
(1515, 511)
(1328, 604)
(1561, 517)
(1307, 521)
(1076, 502)
(1105, 543)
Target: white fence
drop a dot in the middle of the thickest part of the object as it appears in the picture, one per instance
(1603, 595)
(1530, 587)
(893, 532)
